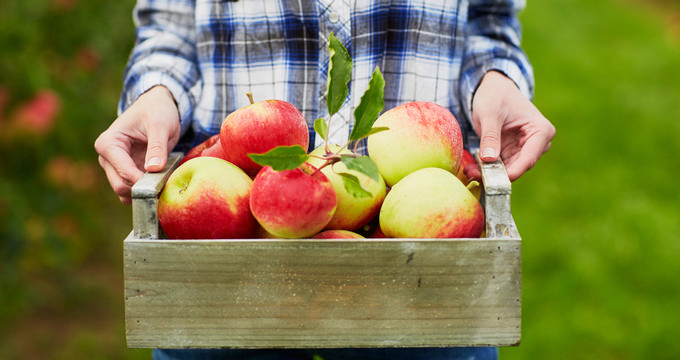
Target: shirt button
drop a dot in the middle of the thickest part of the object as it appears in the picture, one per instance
(333, 17)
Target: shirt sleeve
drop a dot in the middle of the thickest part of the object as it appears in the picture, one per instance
(164, 54)
(493, 43)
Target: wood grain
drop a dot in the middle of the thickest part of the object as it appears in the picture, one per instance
(297, 293)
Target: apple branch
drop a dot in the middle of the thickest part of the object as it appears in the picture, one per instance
(365, 115)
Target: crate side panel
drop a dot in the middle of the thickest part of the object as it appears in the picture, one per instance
(322, 294)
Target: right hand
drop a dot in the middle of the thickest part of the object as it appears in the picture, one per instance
(139, 140)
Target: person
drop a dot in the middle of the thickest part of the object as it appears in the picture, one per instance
(194, 62)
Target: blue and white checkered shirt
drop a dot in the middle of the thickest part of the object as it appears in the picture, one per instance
(209, 54)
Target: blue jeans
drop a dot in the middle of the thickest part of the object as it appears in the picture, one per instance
(470, 353)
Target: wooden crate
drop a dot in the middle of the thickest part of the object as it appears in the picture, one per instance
(264, 293)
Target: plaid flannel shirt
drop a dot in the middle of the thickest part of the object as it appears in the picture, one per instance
(209, 54)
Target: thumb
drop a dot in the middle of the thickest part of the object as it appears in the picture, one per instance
(156, 149)
(490, 140)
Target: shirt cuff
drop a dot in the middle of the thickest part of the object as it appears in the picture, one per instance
(150, 79)
(470, 81)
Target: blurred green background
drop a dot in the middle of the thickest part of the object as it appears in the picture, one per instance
(598, 214)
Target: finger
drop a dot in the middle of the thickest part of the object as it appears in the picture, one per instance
(116, 153)
(472, 172)
(157, 147)
(534, 147)
(490, 139)
(121, 187)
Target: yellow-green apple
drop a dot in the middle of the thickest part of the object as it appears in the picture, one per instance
(296, 203)
(421, 134)
(337, 234)
(352, 212)
(431, 203)
(207, 198)
(210, 147)
(469, 162)
(259, 128)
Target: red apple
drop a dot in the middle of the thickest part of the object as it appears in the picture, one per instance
(352, 212)
(211, 147)
(207, 198)
(431, 203)
(467, 160)
(421, 134)
(472, 184)
(337, 234)
(295, 203)
(259, 128)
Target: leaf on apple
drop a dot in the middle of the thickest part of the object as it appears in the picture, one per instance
(339, 75)
(353, 186)
(362, 164)
(282, 157)
(369, 108)
(321, 128)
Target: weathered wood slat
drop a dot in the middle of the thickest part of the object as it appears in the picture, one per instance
(272, 293)
(145, 200)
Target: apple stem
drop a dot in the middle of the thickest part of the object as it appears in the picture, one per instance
(250, 98)
(472, 185)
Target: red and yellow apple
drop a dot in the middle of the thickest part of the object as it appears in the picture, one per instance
(337, 234)
(421, 134)
(292, 204)
(352, 212)
(211, 147)
(431, 203)
(207, 198)
(259, 128)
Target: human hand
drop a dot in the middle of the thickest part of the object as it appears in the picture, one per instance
(138, 140)
(509, 125)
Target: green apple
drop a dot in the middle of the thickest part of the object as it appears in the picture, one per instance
(352, 212)
(420, 135)
(431, 203)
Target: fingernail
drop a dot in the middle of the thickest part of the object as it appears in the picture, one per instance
(154, 161)
(488, 153)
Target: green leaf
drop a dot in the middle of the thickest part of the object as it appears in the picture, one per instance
(362, 164)
(370, 106)
(321, 128)
(282, 157)
(376, 130)
(353, 186)
(339, 75)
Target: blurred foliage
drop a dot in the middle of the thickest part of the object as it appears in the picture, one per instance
(61, 227)
(598, 215)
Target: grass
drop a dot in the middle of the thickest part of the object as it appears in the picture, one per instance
(599, 213)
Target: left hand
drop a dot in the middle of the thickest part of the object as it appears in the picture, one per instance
(509, 126)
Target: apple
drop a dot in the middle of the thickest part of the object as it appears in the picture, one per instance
(211, 147)
(352, 212)
(473, 185)
(259, 128)
(337, 234)
(431, 203)
(378, 233)
(296, 203)
(207, 198)
(421, 134)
